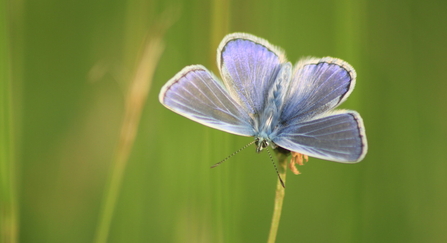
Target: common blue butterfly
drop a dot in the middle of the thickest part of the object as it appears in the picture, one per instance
(261, 95)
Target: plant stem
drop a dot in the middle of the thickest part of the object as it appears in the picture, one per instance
(279, 195)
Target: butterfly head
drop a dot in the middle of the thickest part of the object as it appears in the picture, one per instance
(261, 143)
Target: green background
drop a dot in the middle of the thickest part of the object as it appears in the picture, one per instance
(65, 118)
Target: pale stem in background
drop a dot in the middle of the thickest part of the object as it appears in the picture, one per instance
(9, 225)
(134, 102)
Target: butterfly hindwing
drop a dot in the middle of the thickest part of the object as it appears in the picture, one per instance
(249, 66)
(317, 85)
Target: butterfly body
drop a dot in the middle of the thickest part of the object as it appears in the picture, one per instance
(263, 96)
(269, 120)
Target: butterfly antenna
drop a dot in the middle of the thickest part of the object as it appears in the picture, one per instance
(231, 155)
(276, 169)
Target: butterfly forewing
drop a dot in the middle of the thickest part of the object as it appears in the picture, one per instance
(338, 136)
(197, 94)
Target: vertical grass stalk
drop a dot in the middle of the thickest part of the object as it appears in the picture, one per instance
(134, 102)
(279, 196)
(220, 23)
(8, 199)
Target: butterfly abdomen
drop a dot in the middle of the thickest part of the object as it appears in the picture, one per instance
(269, 120)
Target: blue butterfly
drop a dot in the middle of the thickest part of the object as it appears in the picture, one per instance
(264, 97)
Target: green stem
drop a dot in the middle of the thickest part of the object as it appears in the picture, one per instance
(279, 196)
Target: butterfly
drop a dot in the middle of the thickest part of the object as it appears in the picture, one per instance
(263, 96)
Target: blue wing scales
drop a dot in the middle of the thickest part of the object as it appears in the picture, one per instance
(337, 136)
(317, 86)
(198, 95)
(249, 66)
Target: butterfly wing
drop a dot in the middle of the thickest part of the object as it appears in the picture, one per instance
(337, 136)
(198, 95)
(249, 66)
(308, 125)
(317, 86)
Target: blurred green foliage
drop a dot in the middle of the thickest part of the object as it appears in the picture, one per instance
(71, 63)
